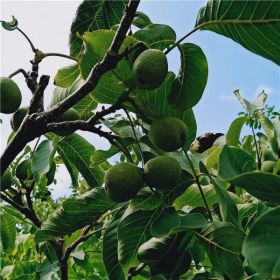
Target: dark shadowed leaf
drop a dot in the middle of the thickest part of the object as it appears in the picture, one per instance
(41, 160)
(227, 205)
(133, 231)
(223, 243)
(253, 24)
(262, 185)
(170, 222)
(233, 162)
(262, 245)
(188, 87)
(110, 248)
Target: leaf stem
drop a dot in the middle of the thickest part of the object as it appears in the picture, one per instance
(181, 39)
(17, 72)
(256, 145)
(60, 55)
(198, 183)
(27, 38)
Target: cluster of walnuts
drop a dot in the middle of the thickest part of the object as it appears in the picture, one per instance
(124, 180)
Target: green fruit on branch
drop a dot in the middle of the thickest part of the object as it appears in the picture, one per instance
(168, 134)
(162, 172)
(268, 166)
(6, 180)
(23, 170)
(18, 117)
(150, 69)
(123, 181)
(70, 115)
(10, 95)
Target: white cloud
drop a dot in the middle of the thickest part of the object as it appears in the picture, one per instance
(227, 98)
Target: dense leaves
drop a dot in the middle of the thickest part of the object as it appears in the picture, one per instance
(75, 213)
(219, 221)
(93, 15)
(262, 245)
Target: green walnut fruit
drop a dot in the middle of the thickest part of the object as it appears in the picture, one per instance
(70, 115)
(18, 117)
(168, 134)
(123, 181)
(6, 180)
(162, 172)
(268, 166)
(10, 95)
(23, 170)
(150, 69)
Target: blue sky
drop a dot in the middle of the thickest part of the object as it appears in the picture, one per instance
(230, 65)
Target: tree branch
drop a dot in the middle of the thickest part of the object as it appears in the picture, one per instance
(22, 71)
(108, 63)
(85, 235)
(36, 124)
(36, 103)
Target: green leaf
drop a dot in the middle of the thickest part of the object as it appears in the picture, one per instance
(188, 87)
(146, 201)
(41, 160)
(75, 213)
(170, 222)
(7, 231)
(154, 104)
(156, 36)
(93, 15)
(228, 208)
(10, 25)
(133, 230)
(78, 151)
(192, 197)
(84, 107)
(113, 83)
(262, 185)
(233, 162)
(253, 24)
(262, 245)
(110, 248)
(223, 243)
(67, 75)
(233, 133)
(141, 20)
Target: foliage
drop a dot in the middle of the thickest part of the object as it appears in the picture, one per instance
(221, 218)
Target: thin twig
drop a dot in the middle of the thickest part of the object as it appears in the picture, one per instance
(22, 71)
(27, 38)
(135, 136)
(60, 55)
(198, 184)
